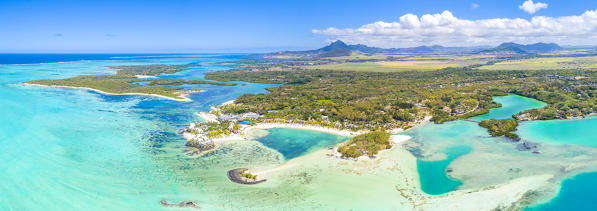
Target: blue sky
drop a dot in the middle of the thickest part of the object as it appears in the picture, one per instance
(256, 26)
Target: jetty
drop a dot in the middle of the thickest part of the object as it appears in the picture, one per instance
(468, 120)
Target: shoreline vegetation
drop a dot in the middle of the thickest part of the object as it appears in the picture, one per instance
(217, 127)
(373, 101)
(182, 95)
(367, 144)
(366, 101)
(133, 80)
(501, 127)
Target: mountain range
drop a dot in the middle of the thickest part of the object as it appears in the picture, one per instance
(339, 48)
(524, 49)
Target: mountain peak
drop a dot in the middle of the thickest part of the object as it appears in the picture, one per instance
(336, 48)
(530, 48)
(338, 43)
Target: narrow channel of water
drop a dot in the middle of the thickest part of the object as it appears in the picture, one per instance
(452, 140)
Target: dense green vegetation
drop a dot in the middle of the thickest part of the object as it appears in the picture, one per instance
(566, 98)
(501, 127)
(126, 81)
(178, 82)
(371, 100)
(366, 144)
(152, 69)
(363, 100)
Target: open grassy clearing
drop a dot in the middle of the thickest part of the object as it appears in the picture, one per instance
(384, 66)
(552, 63)
(361, 56)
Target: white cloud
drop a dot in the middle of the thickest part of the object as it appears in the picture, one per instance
(475, 5)
(531, 8)
(445, 29)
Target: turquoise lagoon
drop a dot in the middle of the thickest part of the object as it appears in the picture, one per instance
(577, 192)
(292, 143)
(571, 131)
(511, 104)
(71, 149)
(437, 181)
(446, 141)
(559, 139)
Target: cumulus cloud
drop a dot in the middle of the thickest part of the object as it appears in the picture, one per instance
(531, 7)
(475, 5)
(445, 29)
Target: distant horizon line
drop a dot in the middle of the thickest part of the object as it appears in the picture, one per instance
(271, 50)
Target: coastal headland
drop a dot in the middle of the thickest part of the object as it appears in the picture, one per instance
(128, 80)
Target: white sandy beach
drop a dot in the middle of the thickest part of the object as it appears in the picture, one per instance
(207, 117)
(228, 102)
(398, 139)
(305, 127)
(145, 76)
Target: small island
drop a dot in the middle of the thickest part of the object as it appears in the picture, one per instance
(368, 144)
(243, 176)
(134, 79)
(501, 127)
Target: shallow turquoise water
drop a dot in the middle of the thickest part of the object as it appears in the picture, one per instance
(71, 149)
(68, 149)
(574, 131)
(433, 176)
(293, 142)
(450, 141)
(511, 104)
(454, 139)
(577, 193)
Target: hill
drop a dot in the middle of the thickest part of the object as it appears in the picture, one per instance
(339, 48)
(515, 48)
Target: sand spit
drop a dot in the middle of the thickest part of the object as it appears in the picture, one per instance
(505, 196)
(182, 95)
